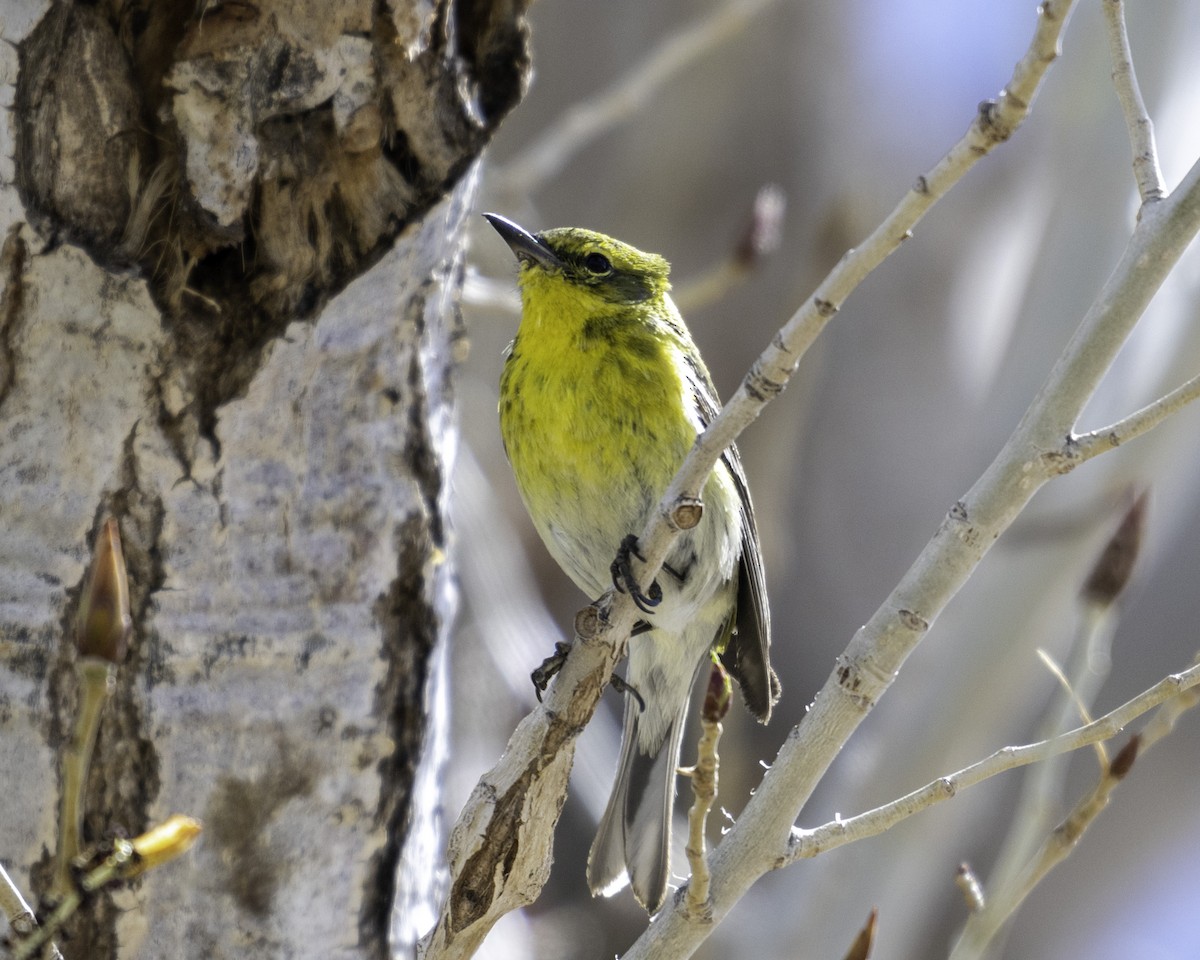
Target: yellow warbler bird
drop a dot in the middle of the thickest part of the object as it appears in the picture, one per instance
(602, 396)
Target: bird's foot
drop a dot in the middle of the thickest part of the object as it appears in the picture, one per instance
(624, 580)
(543, 674)
(546, 671)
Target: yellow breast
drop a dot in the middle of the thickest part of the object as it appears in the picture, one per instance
(596, 418)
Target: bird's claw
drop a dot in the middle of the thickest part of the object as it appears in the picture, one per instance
(543, 674)
(621, 685)
(624, 580)
(546, 671)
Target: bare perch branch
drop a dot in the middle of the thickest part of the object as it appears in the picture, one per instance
(810, 843)
(1137, 119)
(500, 848)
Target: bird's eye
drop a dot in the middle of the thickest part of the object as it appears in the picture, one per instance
(597, 263)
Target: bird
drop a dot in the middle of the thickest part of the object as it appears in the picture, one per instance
(602, 395)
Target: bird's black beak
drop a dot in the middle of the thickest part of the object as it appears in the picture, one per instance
(524, 245)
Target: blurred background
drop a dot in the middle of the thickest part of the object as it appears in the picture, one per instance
(897, 410)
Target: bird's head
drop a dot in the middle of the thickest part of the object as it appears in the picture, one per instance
(591, 269)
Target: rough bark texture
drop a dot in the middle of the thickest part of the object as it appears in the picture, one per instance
(231, 246)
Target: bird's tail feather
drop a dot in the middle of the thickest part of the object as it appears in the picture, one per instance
(633, 842)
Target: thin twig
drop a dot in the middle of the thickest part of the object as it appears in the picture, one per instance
(97, 681)
(704, 788)
(1137, 119)
(1092, 444)
(805, 844)
(585, 121)
(128, 860)
(982, 927)
(20, 915)
(1165, 718)
(1044, 787)
(705, 776)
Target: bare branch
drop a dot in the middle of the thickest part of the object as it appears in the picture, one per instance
(501, 847)
(1043, 790)
(20, 915)
(810, 843)
(1137, 119)
(705, 777)
(1165, 718)
(982, 927)
(1088, 445)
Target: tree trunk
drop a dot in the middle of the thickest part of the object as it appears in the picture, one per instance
(232, 244)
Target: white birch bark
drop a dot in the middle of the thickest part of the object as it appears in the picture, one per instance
(232, 245)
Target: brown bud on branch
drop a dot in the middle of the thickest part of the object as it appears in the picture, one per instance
(718, 695)
(1113, 568)
(103, 625)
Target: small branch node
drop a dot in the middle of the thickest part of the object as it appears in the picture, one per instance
(827, 309)
(686, 513)
(850, 679)
(759, 386)
(589, 622)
